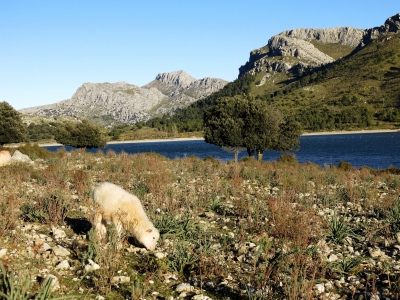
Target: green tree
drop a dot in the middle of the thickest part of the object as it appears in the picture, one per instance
(262, 130)
(81, 135)
(224, 122)
(242, 122)
(12, 129)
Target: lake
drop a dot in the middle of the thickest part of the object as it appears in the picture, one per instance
(376, 150)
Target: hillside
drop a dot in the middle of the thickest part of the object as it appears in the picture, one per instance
(340, 78)
(123, 103)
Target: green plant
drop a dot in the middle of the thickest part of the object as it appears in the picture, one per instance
(338, 229)
(50, 208)
(288, 158)
(172, 227)
(20, 287)
(216, 203)
(393, 216)
(182, 259)
(348, 265)
(138, 289)
(345, 166)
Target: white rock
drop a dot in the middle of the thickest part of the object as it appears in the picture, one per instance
(376, 252)
(320, 288)
(20, 157)
(63, 265)
(98, 297)
(46, 247)
(120, 279)
(333, 258)
(159, 255)
(91, 266)
(200, 297)
(58, 233)
(184, 287)
(60, 251)
(3, 252)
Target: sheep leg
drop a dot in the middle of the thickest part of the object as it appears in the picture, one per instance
(100, 226)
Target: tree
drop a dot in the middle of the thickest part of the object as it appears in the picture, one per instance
(12, 129)
(262, 130)
(243, 122)
(81, 135)
(224, 122)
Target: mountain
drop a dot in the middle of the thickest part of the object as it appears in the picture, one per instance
(327, 79)
(121, 102)
(293, 52)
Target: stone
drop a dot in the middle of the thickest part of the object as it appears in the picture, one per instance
(320, 288)
(159, 255)
(91, 266)
(3, 252)
(120, 279)
(200, 297)
(20, 157)
(58, 233)
(376, 252)
(63, 265)
(60, 251)
(184, 287)
(333, 258)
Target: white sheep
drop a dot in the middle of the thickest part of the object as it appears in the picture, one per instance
(5, 158)
(124, 210)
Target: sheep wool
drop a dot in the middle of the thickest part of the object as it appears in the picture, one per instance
(5, 158)
(124, 210)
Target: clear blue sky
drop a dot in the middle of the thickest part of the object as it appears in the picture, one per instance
(50, 48)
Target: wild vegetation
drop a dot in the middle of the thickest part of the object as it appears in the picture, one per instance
(245, 230)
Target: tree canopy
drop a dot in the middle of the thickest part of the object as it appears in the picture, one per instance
(243, 122)
(81, 135)
(12, 129)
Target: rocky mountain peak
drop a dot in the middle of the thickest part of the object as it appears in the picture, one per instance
(297, 50)
(121, 102)
(391, 25)
(178, 78)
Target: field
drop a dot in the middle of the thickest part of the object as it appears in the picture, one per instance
(246, 230)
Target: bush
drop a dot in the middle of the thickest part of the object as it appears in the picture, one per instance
(34, 151)
(80, 135)
(345, 166)
(50, 208)
(288, 158)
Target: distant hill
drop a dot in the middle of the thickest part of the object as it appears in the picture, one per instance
(337, 78)
(116, 103)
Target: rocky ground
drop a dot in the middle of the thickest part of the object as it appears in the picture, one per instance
(244, 230)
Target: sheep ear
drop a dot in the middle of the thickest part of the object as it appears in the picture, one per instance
(149, 230)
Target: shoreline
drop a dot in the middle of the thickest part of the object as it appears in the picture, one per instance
(199, 138)
(350, 132)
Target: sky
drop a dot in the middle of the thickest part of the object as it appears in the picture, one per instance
(49, 48)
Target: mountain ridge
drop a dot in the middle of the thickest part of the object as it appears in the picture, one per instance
(113, 103)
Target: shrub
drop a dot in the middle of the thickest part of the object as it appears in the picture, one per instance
(288, 158)
(50, 208)
(34, 151)
(345, 166)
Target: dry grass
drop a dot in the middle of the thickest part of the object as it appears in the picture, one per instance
(207, 212)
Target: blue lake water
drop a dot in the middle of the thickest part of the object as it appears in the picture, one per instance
(376, 150)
